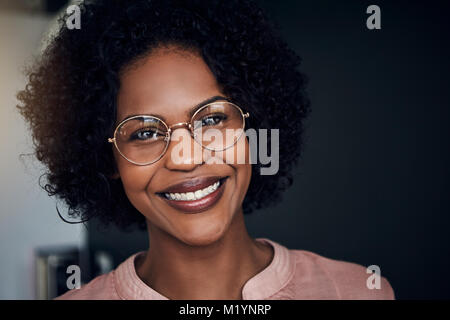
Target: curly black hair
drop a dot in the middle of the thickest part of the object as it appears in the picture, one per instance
(70, 99)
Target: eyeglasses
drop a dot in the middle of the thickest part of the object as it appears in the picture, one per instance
(144, 139)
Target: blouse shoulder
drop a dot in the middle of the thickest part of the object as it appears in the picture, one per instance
(350, 280)
(99, 288)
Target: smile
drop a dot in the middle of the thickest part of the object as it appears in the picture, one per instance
(196, 195)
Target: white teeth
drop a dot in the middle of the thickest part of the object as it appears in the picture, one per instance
(190, 196)
(193, 195)
(198, 194)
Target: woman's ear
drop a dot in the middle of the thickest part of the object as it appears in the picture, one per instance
(114, 176)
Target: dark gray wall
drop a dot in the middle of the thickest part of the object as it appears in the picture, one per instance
(373, 187)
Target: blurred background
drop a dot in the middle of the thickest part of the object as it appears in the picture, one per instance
(372, 188)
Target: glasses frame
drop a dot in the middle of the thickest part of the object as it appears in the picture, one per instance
(171, 129)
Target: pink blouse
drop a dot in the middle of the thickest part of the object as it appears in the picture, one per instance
(292, 274)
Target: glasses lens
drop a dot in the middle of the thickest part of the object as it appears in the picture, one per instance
(142, 139)
(218, 126)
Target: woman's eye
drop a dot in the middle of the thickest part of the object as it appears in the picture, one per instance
(213, 120)
(146, 135)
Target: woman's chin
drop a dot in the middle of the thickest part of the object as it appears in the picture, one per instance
(201, 236)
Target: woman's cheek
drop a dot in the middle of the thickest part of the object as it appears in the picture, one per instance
(239, 154)
(239, 158)
(135, 178)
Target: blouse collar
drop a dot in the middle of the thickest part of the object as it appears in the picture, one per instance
(261, 286)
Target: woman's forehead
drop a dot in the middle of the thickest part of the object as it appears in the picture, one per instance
(162, 84)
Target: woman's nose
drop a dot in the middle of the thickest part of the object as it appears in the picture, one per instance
(183, 152)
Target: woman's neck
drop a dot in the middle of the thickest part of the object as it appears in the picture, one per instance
(216, 271)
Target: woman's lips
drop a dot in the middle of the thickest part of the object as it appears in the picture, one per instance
(192, 185)
(196, 205)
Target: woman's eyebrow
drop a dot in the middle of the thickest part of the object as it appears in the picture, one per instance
(204, 102)
(190, 113)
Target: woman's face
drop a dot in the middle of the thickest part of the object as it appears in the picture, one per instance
(169, 84)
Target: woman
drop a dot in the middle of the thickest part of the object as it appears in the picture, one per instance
(122, 112)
